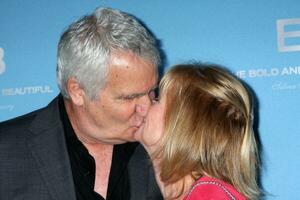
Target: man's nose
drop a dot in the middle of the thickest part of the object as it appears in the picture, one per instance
(143, 105)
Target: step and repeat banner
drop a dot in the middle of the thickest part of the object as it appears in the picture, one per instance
(257, 40)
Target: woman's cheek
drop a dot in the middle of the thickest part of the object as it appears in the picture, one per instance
(154, 128)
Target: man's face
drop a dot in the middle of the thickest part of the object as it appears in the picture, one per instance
(124, 102)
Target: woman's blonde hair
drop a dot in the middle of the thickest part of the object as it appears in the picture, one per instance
(208, 128)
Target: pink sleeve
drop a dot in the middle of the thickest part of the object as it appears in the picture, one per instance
(207, 192)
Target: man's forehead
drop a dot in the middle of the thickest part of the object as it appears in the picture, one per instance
(123, 82)
(128, 59)
(132, 85)
(130, 74)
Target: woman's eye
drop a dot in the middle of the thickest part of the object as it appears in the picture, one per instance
(154, 94)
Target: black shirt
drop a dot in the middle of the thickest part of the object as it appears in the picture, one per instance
(83, 166)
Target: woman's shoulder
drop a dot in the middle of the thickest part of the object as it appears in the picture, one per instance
(207, 188)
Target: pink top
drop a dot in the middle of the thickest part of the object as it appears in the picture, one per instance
(207, 188)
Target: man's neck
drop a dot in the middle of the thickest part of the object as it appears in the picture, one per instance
(102, 154)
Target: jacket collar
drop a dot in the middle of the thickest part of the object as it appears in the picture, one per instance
(48, 147)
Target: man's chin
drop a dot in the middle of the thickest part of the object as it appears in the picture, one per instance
(129, 134)
(138, 133)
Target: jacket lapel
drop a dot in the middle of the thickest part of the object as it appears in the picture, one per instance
(138, 174)
(48, 147)
(141, 176)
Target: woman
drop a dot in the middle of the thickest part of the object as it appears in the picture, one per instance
(199, 135)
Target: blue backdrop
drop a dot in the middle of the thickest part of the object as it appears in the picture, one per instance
(258, 40)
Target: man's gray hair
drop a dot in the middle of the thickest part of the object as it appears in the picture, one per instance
(85, 47)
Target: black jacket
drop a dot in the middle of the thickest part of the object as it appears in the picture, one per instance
(34, 162)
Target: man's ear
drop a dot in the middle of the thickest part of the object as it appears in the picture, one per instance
(75, 91)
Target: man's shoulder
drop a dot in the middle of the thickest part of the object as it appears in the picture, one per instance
(140, 155)
(18, 122)
(23, 122)
(141, 176)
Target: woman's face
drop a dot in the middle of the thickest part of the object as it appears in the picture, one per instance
(152, 130)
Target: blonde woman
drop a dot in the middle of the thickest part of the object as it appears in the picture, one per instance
(199, 135)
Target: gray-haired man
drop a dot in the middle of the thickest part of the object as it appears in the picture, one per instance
(82, 146)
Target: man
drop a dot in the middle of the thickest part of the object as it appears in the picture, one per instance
(81, 146)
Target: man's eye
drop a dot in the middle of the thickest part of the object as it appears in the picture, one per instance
(132, 97)
(128, 98)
